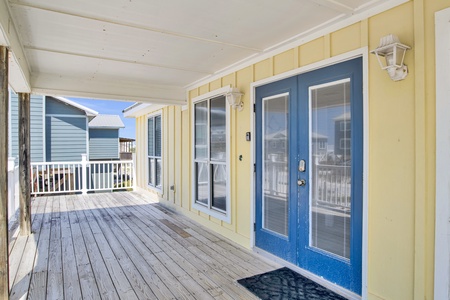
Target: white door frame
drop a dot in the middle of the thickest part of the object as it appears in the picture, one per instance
(442, 229)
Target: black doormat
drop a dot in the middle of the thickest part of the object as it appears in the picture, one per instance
(286, 284)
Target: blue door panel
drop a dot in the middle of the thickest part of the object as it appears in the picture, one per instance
(295, 247)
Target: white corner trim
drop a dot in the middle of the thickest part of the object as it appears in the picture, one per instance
(442, 227)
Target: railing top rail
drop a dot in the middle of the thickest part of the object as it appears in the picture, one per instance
(109, 161)
(56, 163)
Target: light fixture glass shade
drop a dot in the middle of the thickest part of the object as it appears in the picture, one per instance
(233, 97)
(394, 53)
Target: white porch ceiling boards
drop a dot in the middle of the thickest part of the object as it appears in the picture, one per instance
(150, 50)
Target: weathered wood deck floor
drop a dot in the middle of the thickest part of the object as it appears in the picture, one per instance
(120, 246)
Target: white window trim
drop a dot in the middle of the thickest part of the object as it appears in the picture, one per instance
(361, 52)
(216, 214)
(152, 115)
(442, 226)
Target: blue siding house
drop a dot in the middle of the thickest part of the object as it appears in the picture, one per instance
(62, 130)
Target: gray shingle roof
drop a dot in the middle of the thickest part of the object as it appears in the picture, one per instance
(106, 121)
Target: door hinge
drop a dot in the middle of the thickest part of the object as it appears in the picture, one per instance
(254, 107)
(254, 226)
(254, 168)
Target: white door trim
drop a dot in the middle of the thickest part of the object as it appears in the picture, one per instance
(442, 229)
(364, 53)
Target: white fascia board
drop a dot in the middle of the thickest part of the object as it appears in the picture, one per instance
(333, 25)
(89, 112)
(106, 127)
(67, 86)
(142, 109)
(19, 70)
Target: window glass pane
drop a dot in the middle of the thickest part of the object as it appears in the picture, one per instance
(331, 168)
(201, 130)
(158, 136)
(150, 139)
(275, 167)
(219, 186)
(158, 172)
(201, 183)
(218, 129)
(151, 171)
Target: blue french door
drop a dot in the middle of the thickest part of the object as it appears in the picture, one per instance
(309, 170)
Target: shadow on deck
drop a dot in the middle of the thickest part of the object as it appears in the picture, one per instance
(120, 246)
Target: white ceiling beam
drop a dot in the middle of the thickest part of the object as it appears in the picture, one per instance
(136, 26)
(56, 85)
(19, 70)
(335, 5)
(134, 62)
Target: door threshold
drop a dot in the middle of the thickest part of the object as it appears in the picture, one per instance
(320, 280)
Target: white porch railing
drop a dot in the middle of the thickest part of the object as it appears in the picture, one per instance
(84, 176)
(330, 184)
(13, 189)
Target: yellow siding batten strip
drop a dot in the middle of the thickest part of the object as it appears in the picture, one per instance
(420, 151)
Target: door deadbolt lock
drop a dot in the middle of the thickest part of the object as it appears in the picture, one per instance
(301, 182)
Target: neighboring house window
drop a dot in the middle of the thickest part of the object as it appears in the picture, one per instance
(345, 126)
(322, 145)
(211, 157)
(154, 166)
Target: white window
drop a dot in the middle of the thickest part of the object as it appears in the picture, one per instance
(210, 165)
(154, 161)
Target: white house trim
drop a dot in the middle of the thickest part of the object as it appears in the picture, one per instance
(364, 53)
(89, 112)
(442, 229)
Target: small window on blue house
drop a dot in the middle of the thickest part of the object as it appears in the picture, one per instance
(154, 164)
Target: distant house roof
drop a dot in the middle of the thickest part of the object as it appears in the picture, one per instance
(106, 122)
(89, 112)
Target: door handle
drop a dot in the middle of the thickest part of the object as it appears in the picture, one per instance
(301, 182)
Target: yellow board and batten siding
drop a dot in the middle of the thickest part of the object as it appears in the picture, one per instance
(401, 148)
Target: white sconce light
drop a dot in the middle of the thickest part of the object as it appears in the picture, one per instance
(233, 97)
(394, 53)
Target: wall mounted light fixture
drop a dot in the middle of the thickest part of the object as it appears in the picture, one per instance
(394, 53)
(233, 97)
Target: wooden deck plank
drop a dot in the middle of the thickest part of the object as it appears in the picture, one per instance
(55, 280)
(72, 289)
(136, 288)
(88, 285)
(104, 266)
(38, 284)
(21, 284)
(143, 258)
(122, 246)
(186, 260)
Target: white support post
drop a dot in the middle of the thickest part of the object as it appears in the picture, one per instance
(84, 174)
(134, 171)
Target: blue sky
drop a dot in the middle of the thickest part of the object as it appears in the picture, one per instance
(111, 107)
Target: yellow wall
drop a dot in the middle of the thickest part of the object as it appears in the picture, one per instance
(401, 148)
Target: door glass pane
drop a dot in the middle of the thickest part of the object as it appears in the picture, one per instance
(150, 137)
(219, 186)
(275, 163)
(151, 171)
(158, 136)
(201, 130)
(218, 129)
(202, 189)
(330, 159)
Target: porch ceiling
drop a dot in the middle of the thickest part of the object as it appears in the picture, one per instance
(151, 51)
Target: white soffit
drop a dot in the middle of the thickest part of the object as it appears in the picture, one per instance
(76, 48)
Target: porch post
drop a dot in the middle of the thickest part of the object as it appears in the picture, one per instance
(4, 103)
(24, 163)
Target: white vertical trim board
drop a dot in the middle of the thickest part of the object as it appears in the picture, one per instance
(364, 53)
(442, 229)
